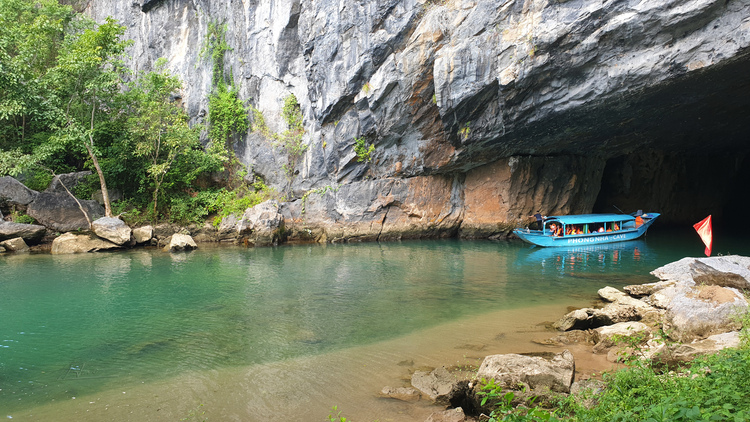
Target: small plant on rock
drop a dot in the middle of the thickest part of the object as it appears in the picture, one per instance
(362, 150)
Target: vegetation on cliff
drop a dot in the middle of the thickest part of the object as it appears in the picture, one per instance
(68, 103)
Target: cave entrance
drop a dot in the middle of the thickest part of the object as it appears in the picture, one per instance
(683, 188)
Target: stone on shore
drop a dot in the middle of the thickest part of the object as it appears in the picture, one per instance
(143, 234)
(439, 385)
(31, 233)
(407, 394)
(112, 229)
(181, 242)
(60, 212)
(14, 192)
(448, 415)
(553, 372)
(261, 225)
(15, 245)
(70, 243)
(615, 335)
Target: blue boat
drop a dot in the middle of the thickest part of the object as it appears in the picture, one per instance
(588, 229)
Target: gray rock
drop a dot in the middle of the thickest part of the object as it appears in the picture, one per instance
(641, 290)
(13, 192)
(15, 245)
(554, 372)
(613, 295)
(68, 180)
(70, 243)
(2, 249)
(616, 334)
(440, 385)
(31, 233)
(261, 225)
(407, 394)
(449, 415)
(112, 229)
(704, 274)
(575, 320)
(181, 242)
(703, 311)
(143, 234)
(60, 212)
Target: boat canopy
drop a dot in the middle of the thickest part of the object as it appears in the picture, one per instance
(589, 218)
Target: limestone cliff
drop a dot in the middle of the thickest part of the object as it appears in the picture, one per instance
(481, 112)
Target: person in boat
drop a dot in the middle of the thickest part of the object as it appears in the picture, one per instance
(538, 221)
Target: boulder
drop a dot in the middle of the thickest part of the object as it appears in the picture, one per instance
(703, 311)
(31, 233)
(709, 268)
(614, 313)
(112, 229)
(641, 290)
(407, 394)
(60, 212)
(143, 234)
(575, 320)
(449, 415)
(676, 354)
(610, 294)
(180, 242)
(15, 245)
(69, 243)
(440, 385)
(70, 180)
(548, 371)
(2, 249)
(704, 274)
(612, 335)
(261, 225)
(13, 192)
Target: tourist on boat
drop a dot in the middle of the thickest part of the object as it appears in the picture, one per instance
(538, 220)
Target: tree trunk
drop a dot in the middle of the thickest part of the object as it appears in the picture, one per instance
(102, 182)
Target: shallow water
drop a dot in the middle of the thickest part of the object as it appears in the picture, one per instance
(227, 333)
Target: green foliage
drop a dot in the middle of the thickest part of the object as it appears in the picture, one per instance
(463, 133)
(362, 150)
(504, 409)
(37, 179)
(713, 387)
(20, 217)
(237, 201)
(86, 187)
(227, 114)
(291, 139)
(215, 46)
(335, 415)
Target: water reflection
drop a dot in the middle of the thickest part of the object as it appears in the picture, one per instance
(578, 260)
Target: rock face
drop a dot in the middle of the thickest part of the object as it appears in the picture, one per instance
(480, 113)
(112, 229)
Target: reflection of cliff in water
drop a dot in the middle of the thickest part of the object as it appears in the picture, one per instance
(588, 261)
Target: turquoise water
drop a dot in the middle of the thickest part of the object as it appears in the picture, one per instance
(79, 324)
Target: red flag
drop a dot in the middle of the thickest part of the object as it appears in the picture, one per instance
(704, 231)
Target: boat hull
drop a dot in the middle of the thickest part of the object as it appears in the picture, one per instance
(539, 238)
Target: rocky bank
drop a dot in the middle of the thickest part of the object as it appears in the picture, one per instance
(692, 310)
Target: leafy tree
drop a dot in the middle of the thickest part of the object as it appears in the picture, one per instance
(159, 125)
(87, 82)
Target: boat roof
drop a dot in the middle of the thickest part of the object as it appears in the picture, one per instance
(590, 218)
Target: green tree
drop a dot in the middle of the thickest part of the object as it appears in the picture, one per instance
(159, 125)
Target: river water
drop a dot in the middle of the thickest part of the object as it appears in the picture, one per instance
(229, 333)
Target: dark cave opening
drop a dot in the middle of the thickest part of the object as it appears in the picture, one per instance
(684, 188)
